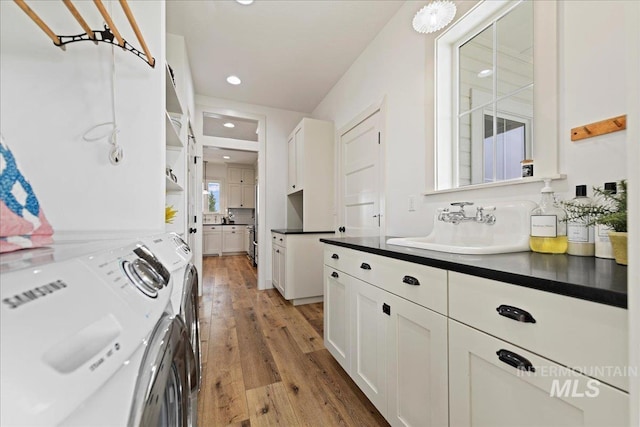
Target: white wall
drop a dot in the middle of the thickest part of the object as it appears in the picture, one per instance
(49, 98)
(279, 123)
(399, 64)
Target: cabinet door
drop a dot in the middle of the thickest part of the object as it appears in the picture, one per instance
(248, 177)
(234, 198)
(212, 243)
(417, 365)
(368, 346)
(336, 315)
(278, 268)
(299, 141)
(485, 391)
(247, 197)
(234, 175)
(291, 164)
(232, 241)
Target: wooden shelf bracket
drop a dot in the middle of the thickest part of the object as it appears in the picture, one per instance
(110, 34)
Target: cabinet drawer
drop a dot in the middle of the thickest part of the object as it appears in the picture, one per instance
(337, 257)
(418, 283)
(590, 337)
(207, 229)
(279, 239)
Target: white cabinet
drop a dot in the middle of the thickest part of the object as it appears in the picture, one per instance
(232, 239)
(395, 350)
(175, 157)
(486, 388)
(278, 267)
(297, 266)
(212, 240)
(336, 319)
(240, 186)
(310, 200)
(434, 348)
(416, 365)
(369, 342)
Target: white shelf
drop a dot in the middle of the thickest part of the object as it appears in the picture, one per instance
(173, 135)
(172, 186)
(173, 103)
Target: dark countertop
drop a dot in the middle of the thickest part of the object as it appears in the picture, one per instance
(226, 225)
(297, 231)
(589, 278)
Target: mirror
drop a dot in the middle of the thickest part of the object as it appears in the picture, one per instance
(485, 108)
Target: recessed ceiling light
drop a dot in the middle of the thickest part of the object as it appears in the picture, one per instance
(485, 73)
(229, 125)
(226, 157)
(245, 2)
(234, 80)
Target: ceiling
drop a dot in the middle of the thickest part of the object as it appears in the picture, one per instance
(215, 155)
(288, 53)
(214, 125)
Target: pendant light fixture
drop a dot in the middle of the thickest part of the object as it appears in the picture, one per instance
(434, 16)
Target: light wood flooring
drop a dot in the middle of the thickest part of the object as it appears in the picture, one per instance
(263, 360)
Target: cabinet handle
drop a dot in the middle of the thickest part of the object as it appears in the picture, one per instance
(342, 229)
(515, 313)
(386, 309)
(410, 280)
(277, 251)
(515, 360)
(294, 186)
(274, 237)
(365, 266)
(335, 256)
(334, 274)
(281, 239)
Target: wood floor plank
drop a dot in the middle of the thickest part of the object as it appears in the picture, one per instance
(353, 402)
(270, 406)
(306, 337)
(240, 327)
(224, 395)
(312, 405)
(258, 367)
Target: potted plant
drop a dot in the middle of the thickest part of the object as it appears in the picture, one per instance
(610, 210)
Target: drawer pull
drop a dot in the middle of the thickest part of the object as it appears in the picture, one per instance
(335, 256)
(515, 360)
(515, 313)
(334, 275)
(365, 266)
(410, 280)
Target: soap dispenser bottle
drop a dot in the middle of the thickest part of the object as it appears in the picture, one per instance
(581, 237)
(603, 244)
(548, 224)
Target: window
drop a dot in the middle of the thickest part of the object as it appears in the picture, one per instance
(211, 197)
(485, 72)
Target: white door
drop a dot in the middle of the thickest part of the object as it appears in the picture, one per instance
(336, 303)
(369, 341)
(193, 197)
(360, 211)
(486, 389)
(417, 365)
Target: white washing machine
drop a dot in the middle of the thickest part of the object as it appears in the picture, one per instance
(88, 337)
(176, 256)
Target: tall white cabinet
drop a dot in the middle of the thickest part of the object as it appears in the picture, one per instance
(310, 189)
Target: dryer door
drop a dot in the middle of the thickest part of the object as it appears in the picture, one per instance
(189, 314)
(163, 391)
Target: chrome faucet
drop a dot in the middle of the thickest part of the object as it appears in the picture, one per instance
(459, 216)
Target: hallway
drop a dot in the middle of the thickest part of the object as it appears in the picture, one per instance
(263, 360)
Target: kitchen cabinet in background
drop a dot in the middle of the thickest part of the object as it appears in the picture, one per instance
(212, 240)
(241, 187)
(232, 238)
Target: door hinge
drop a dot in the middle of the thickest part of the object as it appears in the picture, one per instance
(378, 137)
(195, 219)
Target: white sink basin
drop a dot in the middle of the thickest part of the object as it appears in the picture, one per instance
(510, 233)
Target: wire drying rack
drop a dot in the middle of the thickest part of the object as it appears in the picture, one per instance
(110, 34)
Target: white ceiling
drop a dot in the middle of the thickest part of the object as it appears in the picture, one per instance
(215, 155)
(214, 125)
(288, 53)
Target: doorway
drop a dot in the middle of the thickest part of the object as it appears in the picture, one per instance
(235, 141)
